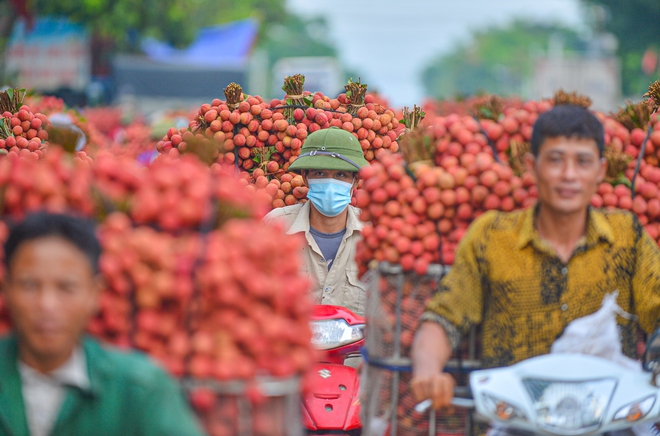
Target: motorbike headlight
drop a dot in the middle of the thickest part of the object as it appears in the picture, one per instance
(334, 333)
(635, 411)
(570, 406)
(502, 409)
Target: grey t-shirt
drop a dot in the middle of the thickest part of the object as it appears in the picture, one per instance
(328, 243)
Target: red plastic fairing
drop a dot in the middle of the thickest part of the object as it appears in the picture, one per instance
(353, 418)
(307, 420)
(332, 401)
(326, 311)
(338, 355)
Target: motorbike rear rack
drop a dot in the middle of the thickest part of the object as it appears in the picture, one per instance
(387, 359)
(283, 392)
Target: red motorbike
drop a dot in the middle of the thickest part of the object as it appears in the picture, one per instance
(331, 405)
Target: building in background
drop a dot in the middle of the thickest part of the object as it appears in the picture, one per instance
(598, 78)
(53, 56)
(186, 77)
(322, 74)
(595, 72)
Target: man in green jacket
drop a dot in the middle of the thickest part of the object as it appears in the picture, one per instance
(54, 380)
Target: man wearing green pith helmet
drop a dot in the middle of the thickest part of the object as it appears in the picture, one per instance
(329, 162)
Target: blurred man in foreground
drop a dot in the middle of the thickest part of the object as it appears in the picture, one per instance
(54, 379)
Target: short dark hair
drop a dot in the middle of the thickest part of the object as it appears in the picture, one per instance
(78, 231)
(569, 121)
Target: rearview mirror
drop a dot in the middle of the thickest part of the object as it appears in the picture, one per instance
(652, 354)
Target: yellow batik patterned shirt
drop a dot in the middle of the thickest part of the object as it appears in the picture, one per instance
(511, 281)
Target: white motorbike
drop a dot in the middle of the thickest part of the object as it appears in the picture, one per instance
(568, 394)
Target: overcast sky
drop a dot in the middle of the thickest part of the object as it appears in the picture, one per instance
(389, 42)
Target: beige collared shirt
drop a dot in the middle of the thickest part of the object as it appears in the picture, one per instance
(339, 285)
(43, 394)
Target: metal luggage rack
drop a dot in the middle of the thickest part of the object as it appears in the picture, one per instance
(392, 367)
(437, 271)
(285, 390)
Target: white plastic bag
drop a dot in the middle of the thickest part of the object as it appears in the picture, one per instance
(598, 335)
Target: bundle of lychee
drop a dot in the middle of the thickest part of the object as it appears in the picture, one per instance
(253, 134)
(194, 277)
(213, 307)
(637, 126)
(456, 167)
(283, 188)
(45, 104)
(495, 126)
(133, 141)
(116, 179)
(60, 182)
(252, 319)
(105, 119)
(225, 415)
(172, 194)
(255, 303)
(49, 105)
(57, 184)
(419, 204)
(22, 132)
(149, 289)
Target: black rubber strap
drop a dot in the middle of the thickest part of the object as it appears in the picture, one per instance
(642, 152)
(379, 364)
(322, 152)
(493, 147)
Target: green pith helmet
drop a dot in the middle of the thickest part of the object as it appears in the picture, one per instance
(330, 149)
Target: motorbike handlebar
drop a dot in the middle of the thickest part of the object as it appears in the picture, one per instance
(462, 398)
(463, 392)
(463, 403)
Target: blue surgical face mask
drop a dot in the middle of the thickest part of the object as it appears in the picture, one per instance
(329, 196)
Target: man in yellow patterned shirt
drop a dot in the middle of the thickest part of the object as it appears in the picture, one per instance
(525, 275)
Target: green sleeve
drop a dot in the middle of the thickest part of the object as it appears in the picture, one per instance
(460, 297)
(646, 280)
(168, 413)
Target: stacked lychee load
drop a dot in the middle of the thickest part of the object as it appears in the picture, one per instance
(453, 168)
(22, 132)
(418, 204)
(263, 138)
(194, 277)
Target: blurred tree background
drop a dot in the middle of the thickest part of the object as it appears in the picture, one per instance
(636, 24)
(173, 21)
(496, 60)
(500, 60)
(8, 13)
(122, 23)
